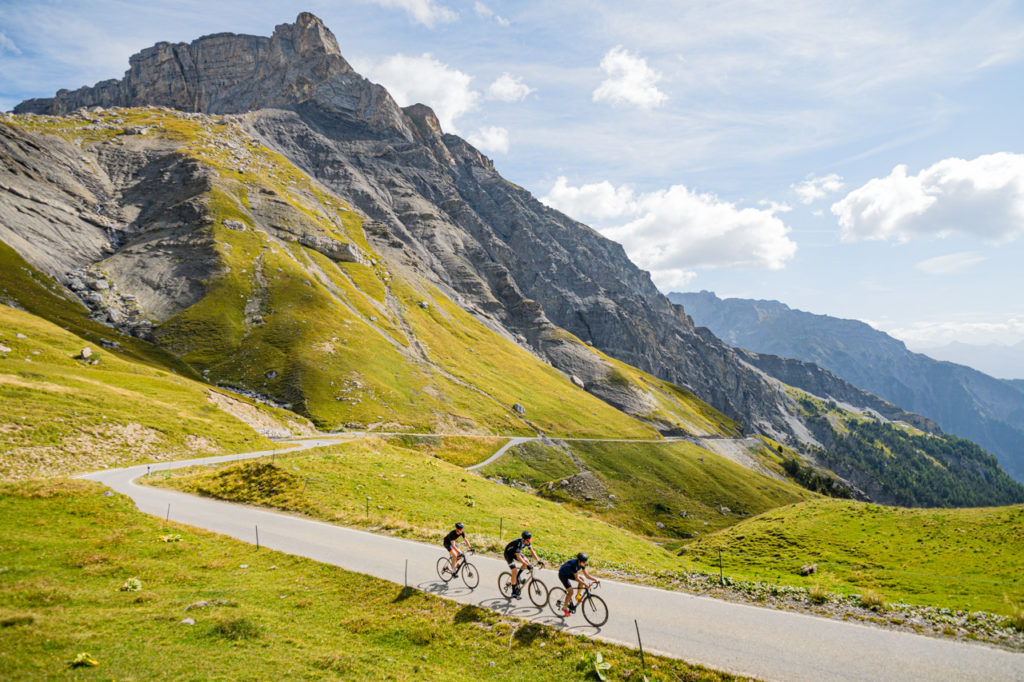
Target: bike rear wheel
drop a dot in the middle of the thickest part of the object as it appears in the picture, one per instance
(505, 585)
(444, 569)
(595, 611)
(538, 592)
(470, 576)
(555, 598)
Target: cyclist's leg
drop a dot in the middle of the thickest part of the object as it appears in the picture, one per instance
(568, 592)
(454, 552)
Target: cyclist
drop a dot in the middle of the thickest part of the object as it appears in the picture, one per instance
(571, 570)
(514, 553)
(450, 541)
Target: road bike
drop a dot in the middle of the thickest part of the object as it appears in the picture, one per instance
(594, 610)
(535, 589)
(468, 571)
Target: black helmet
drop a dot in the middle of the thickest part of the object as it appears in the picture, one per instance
(581, 557)
(527, 535)
(459, 525)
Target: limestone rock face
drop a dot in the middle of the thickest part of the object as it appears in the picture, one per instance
(228, 73)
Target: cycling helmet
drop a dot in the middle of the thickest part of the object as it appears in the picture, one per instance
(581, 557)
(459, 525)
(527, 535)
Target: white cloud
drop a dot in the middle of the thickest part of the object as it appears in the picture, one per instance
(673, 231)
(629, 80)
(951, 264)
(814, 188)
(425, 80)
(599, 201)
(427, 12)
(491, 139)
(983, 197)
(7, 45)
(508, 88)
(930, 334)
(486, 12)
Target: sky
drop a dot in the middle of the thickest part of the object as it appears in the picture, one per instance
(863, 160)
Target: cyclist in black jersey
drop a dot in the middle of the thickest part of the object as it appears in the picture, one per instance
(450, 541)
(571, 570)
(514, 553)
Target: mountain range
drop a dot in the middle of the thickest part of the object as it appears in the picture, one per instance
(260, 216)
(960, 399)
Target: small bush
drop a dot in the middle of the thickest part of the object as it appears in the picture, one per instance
(131, 585)
(817, 594)
(870, 599)
(236, 629)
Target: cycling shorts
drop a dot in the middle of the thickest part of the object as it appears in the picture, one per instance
(566, 577)
(511, 560)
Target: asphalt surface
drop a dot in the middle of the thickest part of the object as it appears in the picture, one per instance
(746, 640)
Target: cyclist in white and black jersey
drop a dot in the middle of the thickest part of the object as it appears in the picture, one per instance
(514, 553)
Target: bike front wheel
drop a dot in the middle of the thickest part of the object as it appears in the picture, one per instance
(470, 576)
(595, 611)
(555, 598)
(444, 569)
(538, 592)
(505, 585)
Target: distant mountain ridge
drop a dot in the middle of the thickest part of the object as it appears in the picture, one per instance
(1001, 361)
(963, 401)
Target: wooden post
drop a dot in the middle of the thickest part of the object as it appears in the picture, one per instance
(643, 664)
(721, 576)
(257, 538)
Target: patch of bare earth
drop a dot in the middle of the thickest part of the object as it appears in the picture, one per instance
(98, 447)
(260, 422)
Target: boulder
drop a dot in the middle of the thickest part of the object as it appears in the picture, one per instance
(519, 409)
(808, 569)
(86, 353)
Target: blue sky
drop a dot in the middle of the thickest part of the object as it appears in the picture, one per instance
(845, 158)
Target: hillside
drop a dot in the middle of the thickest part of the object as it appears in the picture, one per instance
(961, 400)
(961, 558)
(283, 296)
(65, 414)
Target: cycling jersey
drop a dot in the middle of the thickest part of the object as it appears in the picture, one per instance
(570, 568)
(517, 546)
(451, 538)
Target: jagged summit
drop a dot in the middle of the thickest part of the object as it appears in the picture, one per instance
(225, 73)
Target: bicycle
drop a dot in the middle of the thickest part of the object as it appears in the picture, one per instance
(468, 571)
(535, 589)
(595, 611)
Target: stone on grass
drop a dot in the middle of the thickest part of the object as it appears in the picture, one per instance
(519, 409)
(188, 621)
(808, 569)
(86, 353)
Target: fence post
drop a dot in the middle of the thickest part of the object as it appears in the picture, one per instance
(257, 538)
(721, 576)
(405, 590)
(501, 528)
(367, 507)
(643, 664)
(168, 512)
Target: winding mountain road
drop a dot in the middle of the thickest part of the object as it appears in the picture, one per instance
(746, 640)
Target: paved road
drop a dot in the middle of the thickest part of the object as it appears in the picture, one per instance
(764, 643)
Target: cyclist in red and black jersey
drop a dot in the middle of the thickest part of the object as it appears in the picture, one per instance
(450, 541)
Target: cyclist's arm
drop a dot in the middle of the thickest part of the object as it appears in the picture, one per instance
(465, 539)
(592, 578)
(534, 553)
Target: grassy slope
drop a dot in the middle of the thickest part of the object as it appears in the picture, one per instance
(462, 451)
(963, 558)
(286, 617)
(61, 415)
(651, 483)
(420, 497)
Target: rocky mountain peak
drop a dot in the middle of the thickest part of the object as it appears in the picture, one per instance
(227, 73)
